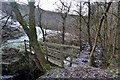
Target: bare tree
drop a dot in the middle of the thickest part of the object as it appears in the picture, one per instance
(91, 59)
(79, 22)
(64, 10)
(39, 22)
(88, 26)
(118, 32)
(0, 28)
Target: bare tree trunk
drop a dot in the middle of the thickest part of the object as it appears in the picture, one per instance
(31, 33)
(0, 40)
(7, 21)
(63, 30)
(0, 31)
(106, 45)
(33, 39)
(118, 33)
(91, 59)
(80, 41)
(88, 26)
(40, 25)
(64, 10)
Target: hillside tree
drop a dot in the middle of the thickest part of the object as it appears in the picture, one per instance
(79, 22)
(64, 10)
(88, 25)
(118, 33)
(39, 21)
(91, 59)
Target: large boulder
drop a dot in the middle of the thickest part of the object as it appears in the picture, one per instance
(81, 72)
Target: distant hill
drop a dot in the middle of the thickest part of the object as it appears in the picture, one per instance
(49, 19)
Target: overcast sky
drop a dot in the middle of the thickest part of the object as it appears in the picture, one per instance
(50, 4)
(46, 4)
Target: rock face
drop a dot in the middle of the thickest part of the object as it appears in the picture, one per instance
(11, 32)
(82, 72)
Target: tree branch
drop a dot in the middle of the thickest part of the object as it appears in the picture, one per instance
(19, 17)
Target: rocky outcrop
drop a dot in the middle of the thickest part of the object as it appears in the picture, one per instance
(81, 72)
(17, 64)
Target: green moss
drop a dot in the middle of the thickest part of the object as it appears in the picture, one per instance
(47, 67)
